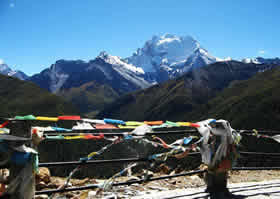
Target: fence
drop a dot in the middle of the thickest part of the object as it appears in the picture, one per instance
(116, 135)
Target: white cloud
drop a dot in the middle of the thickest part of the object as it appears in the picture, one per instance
(2, 61)
(261, 52)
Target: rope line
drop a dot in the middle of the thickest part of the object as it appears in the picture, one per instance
(161, 131)
(258, 153)
(51, 164)
(100, 133)
(254, 168)
(118, 132)
(69, 163)
(259, 131)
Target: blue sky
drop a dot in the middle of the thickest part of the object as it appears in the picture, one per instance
(36, 33)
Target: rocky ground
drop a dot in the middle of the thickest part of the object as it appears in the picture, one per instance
(248, 190)
(146, 190)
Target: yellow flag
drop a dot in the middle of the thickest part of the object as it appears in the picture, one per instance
(74, 137)
(133, 123)
(52, 119)
(184, 123)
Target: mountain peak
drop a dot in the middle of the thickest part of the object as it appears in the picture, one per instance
(170, 52)
(168, 35)
(171, 37)
(6, 70)
(167, 40)
(103, 54)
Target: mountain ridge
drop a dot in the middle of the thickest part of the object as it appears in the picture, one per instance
(82, 79)
(179, 98)
(249, 104)
(6, 70)
(107, 77)
(23, 98)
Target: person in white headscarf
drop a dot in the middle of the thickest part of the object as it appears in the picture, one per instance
(218, 151)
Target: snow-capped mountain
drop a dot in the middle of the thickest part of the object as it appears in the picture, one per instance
(91, 85)
(170, 54)
(129, 72)
(261, 60)
(6, 70)
(250, 60)
(104, 69)
(117, 61)
(199, 58)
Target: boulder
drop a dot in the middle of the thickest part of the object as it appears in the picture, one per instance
(43, 175)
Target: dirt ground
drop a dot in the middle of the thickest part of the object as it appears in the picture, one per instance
(160, 185)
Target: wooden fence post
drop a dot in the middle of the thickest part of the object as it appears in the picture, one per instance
(22, 129)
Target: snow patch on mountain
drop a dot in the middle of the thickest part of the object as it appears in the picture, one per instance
(132, 77)
(18, 74)
(250, 60)
(198, 59)
(57, 78)
(224, 60)
(261, 60)
(128, 71)
(115, 60)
